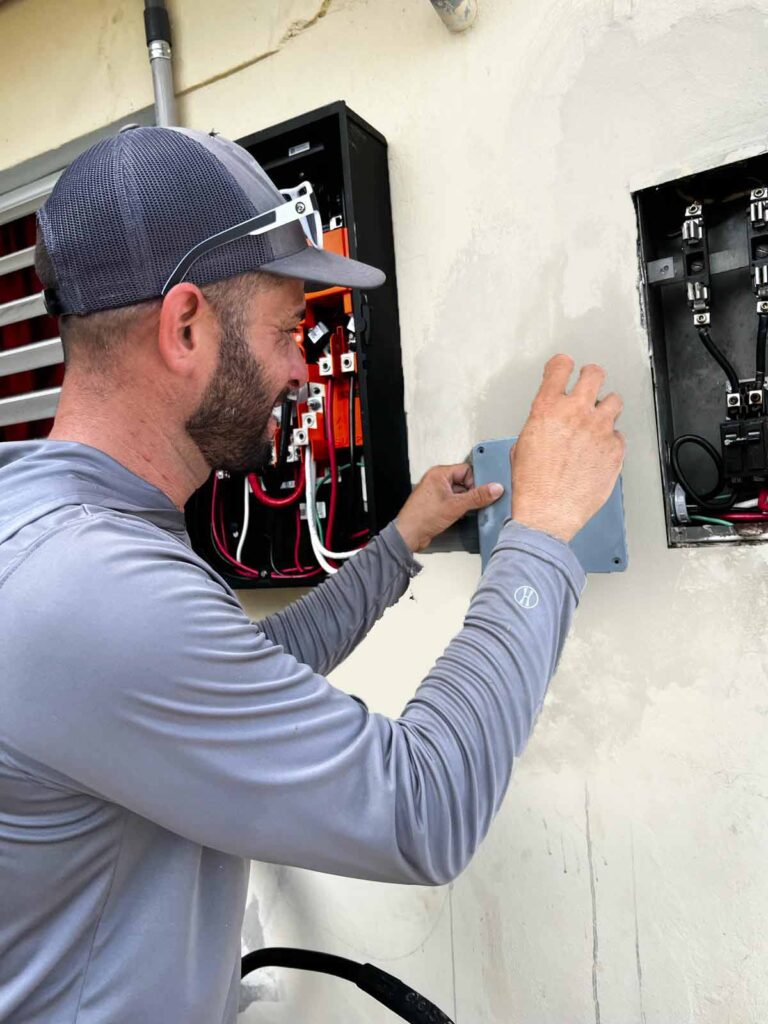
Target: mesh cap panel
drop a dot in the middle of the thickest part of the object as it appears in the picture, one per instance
(126, 211)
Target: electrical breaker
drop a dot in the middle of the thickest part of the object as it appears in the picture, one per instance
(704, 267)
(339, 469)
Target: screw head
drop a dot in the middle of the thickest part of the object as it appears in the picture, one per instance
(764, 307)
(758, 193)
(701, 318)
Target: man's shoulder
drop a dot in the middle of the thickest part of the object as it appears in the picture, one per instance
(84, 548)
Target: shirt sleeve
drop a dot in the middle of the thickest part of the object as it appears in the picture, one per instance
(324, 627)
(147, 684)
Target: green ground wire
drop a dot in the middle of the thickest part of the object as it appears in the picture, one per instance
(709, 519)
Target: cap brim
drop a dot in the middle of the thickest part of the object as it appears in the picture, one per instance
(327, 268)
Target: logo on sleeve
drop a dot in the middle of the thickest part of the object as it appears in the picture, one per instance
(526, 597)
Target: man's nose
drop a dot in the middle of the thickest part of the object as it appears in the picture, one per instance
(298, 370)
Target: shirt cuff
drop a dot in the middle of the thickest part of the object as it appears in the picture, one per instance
(399, 550)
(514, 536)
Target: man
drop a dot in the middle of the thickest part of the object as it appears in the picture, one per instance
(152, 738)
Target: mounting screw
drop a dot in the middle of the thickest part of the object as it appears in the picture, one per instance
(701, 318)
(763, 307)
(758, 193)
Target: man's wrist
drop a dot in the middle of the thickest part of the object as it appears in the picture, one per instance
(409, 535)
(544, 524)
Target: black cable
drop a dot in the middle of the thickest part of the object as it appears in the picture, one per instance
(388, 990)
(286, 419)
(703, 500)
(720, 358)
(760, 357)
(352, 429)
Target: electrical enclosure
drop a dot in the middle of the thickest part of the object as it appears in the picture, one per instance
(600, 546)
(352, 422)
(703, 243)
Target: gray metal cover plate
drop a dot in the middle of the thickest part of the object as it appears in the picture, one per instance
(600, 547)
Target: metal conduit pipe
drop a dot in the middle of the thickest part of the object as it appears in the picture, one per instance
(457, 15)
(157, 26)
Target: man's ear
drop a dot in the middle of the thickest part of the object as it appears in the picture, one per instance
(187, 332)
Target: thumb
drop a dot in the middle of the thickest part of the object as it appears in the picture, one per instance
(480, 497)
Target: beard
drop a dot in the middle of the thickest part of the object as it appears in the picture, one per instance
(231, 424)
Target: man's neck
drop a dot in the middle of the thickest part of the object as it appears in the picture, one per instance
(138, 437)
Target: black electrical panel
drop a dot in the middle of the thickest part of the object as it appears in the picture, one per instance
(704, 270)
(352, 419)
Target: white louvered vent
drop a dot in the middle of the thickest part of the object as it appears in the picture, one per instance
(30, 353)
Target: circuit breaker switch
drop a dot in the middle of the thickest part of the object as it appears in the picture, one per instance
(745, 448)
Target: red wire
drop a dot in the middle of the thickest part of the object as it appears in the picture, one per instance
(244, 570)
(296, 556)
(220, 545)
(332, 466)
(744, 517)
(267, 499)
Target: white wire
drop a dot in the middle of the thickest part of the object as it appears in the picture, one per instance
(314, 540)
(246, 519)
(317, 547)
(751, 503)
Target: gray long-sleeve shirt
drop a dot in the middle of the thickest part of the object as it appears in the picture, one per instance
(153, 738)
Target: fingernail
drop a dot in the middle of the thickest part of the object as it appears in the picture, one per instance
(496, 490)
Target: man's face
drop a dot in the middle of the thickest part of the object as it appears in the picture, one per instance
(259, 363)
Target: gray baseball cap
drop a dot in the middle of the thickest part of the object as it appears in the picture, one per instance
(141, 211)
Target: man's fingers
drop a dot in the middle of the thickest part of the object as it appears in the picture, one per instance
(557, 373)
(480, 497)
(591, 380)
(460, 477)
(612, 406)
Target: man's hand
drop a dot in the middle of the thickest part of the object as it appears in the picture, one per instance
(443, 496)
(569, 454)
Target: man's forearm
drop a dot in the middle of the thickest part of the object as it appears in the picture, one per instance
(324, 627)
(473, 714)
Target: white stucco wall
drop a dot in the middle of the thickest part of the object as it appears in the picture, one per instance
(623, 880)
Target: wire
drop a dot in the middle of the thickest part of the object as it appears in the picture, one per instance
(762, 336)
(321, 552)
(703, 500)
(246, 519)
(708, 519)
(267, 499)
(746, 517)
(330, 441)
(352, 432)
(220, 544)
(314, 539)
(750, 503)
(403, 1001)
(719, 357)
(286, 418)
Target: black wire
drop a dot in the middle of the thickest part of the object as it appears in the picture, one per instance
(302, 959)
(703, 500)
(762, 337)
(719, 358)
(286, 417)
(404, 1001)
(352, 429)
